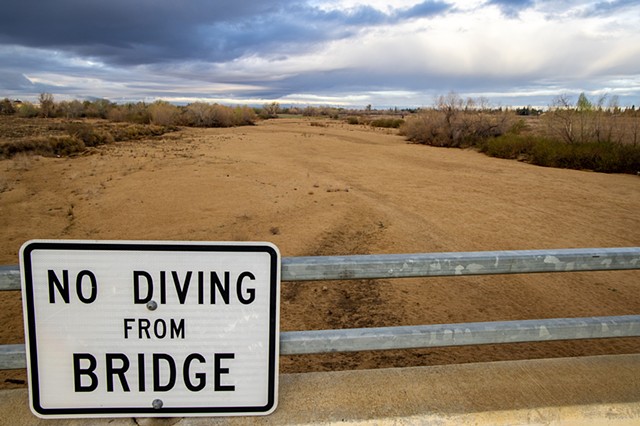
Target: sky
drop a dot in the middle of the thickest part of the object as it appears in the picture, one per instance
(344, 53)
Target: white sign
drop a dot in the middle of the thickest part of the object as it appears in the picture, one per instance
(151, 329)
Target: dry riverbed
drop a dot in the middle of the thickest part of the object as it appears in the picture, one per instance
(329, 188)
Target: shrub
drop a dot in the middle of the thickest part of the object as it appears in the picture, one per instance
(606, 157)
(132, 113)
(244, 116)
(138, 114)
(65, 145)
(456, 128)
(310, 111)
(220, 116)
(195, 114)
(510, 146)
(426, 128)
(72, 109)
(88, 134)
(389, 123)
(46, 146)
(270, 110)
(137, 131)
(163, 113)
(99, 108)
(6, 107)
(28, 110)
(200, 114)
(117, 114)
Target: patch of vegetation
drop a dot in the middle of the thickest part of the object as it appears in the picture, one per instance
(28, 110)
(592, 121)
(388, 123)
(606, 157)
(201, 114)
(457, 129)
(49, 137)
(6, 107)
(131, 132)
(88, 134)
(159, 113)
(587, 136)
(324, 111)
(46, 146)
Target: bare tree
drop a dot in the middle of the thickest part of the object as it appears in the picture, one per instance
(270, 110)
(47, 104)
(484, 103)
(561, 118)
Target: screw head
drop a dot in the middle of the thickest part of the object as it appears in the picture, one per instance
(157, 404)
(152, 305)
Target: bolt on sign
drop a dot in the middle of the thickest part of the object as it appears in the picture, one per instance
(151, 329)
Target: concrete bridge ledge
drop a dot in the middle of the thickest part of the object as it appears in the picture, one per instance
(565, 391)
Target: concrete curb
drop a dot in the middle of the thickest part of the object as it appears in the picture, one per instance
(571, 391)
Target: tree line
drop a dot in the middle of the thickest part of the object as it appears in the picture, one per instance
(198, 114)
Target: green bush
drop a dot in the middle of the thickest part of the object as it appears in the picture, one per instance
(28, 110)
(510, 146)
(606, 157)
(244, 116)
(65, 145)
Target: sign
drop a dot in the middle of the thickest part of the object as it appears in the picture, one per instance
(151, 329)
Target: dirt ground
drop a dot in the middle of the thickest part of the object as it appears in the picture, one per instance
(326, 188)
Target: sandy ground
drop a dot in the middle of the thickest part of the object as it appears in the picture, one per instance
(322, 188)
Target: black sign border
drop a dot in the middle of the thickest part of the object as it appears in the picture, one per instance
(159, 247)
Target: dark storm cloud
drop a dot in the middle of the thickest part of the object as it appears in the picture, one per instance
(122, 31)
(129, 32)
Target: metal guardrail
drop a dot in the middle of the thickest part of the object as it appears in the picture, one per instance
(430, 265)
(463, 263)
(463, 334)
(10, 277)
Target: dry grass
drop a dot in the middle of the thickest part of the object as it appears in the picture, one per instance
(58, 137)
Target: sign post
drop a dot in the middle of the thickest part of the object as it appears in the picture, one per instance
(151, 329)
